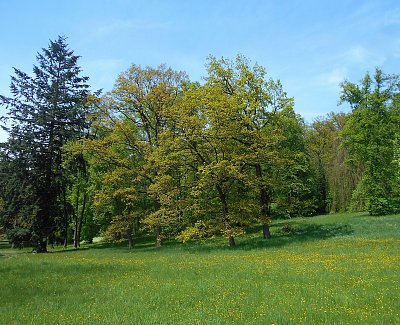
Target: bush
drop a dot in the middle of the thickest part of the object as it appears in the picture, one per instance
(19, 237)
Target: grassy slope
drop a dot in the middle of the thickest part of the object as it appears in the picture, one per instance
(336, 269)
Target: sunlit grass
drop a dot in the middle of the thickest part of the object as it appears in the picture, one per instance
(336, 269)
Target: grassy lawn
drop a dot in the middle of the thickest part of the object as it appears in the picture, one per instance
(334, 269)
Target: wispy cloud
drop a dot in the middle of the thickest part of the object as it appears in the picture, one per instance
(103, 64)
(355, 58)
(129, 25)
(333, 78)
(396, 51)
(362, 56)
(392, 17)
(105, 70)
(356, 54)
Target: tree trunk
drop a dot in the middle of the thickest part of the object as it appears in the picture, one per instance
(130, 239)
(136, 226)
(266, 232)
(79, 223)
(227, 223)
(158, 236)
(232, 242)
(66, 234)
(222, 198)
(42, 246)
(65, 220)
(78, 194)
(264, 203)
(76, 230)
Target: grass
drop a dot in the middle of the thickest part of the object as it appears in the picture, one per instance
(334, 269)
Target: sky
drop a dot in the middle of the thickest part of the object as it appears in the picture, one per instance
(311, 46)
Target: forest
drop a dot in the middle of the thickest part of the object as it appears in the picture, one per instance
(160, 154)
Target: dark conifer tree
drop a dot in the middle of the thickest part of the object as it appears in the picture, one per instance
(45, 110)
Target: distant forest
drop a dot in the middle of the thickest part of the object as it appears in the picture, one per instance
(163, 155)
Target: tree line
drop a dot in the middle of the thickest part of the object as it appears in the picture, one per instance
(187, 160)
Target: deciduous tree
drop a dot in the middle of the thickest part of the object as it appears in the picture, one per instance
(370, 135)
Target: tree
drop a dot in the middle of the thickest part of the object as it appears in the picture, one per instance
(76, 168)
(200, 148)
(115, 184)
(233, 134)
(292, 177)
(370, 135)
(47, 109)
(263, 126)
(16, 218)
(132, 119)
(335, 175)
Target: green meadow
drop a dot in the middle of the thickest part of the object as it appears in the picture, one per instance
(333, 269)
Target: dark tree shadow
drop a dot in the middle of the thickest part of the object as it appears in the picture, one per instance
(283, 233)
(4, 244)
(69, 249)
(140, 242)
(296, 234)
(281, 236)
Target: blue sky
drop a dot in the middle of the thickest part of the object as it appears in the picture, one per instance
(311, 46)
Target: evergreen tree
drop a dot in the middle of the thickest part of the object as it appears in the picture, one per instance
(46, 109)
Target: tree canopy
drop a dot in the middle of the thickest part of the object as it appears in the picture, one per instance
(179, 159)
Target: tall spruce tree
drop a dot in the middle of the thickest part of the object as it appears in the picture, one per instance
(46, 109)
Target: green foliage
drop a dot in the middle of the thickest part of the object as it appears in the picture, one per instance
(335, 175)
(370, 136)
(204, 141)
(265, 133)
(19, 237)
(200, 230)
(77, 170)
(187, 160)
(177, 154)
(126, 185)
(45, 111)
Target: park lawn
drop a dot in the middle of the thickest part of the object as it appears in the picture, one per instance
(333, 269)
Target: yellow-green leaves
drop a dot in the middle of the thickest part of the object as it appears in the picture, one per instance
(184, 156)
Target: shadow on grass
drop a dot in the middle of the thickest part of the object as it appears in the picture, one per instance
(69, 249)
(4, 244)
(140, 242)
(6, 249)
(297, 232)
(280, 238)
